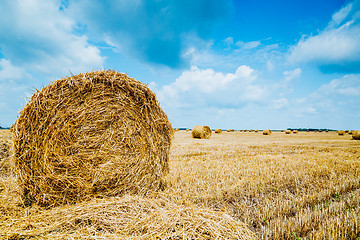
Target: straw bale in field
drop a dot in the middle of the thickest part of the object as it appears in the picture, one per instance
(128, 217)
(256, 130)
(287, 131)
(91, 135)
(203, 132)
(5, 164)
(356, 135)
(341, 132)
(295, 131)
(266, 132)
(218, 130)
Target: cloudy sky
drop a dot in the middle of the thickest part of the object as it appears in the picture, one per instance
(227, 64)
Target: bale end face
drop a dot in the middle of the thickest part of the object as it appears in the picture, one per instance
(202, 132)
(95, 134)
(355, 135)
(267, 132)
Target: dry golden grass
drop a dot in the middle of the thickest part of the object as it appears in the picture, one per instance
(280, 187)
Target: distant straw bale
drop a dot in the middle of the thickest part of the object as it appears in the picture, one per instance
(356, 135)
(251, 130)
(256, 130)
(295, 131)
(287, 131)
(218, 130)
(91, 135)
(203, 132)
(5, 163)
(266, 132)
(128, 217)
(341, 132)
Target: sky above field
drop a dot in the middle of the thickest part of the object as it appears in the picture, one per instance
(227, 64)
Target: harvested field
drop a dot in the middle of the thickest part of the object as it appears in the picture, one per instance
(280, 186)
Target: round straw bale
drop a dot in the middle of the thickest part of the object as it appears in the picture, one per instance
(267, 132)
(287, 131)
(256, 130)
(203, 132)
(295, 131)
(341, 132)
(355, 135)
(218, 130)
(91, 135)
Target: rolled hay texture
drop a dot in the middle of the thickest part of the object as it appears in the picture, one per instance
(218, 130)
(287, 131)
(341, 132)
(91, 135)
(356, 135)
(203, 132)
(267, 132)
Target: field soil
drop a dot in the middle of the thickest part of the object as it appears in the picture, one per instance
(278, 186)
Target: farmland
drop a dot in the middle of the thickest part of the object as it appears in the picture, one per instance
(281, 186)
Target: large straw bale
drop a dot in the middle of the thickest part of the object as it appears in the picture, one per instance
(91, 135)
(356, 135)
(203, 132)
(127, 217)
(287, 131)
(218, 130)
(295, 131)
(341, 132)
(266, 132)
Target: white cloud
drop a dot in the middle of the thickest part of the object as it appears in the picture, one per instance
(9, 71)
(206, 87)
(279, 103)
(38, 37)
(349, 85)
(337, 45)
(248, 45)
(292, 74)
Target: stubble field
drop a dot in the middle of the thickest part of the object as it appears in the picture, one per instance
(281, 186)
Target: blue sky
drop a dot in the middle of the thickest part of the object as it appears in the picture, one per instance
(227, 64)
